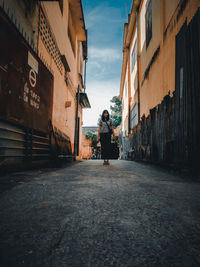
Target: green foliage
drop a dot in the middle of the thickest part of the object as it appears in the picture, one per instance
(93, 137)
(116, 111)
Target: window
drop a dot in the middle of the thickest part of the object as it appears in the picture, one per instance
(134, 55)
(80, 65)
(61, 6)
(126, 89)
(71, 33)
(148, 21)
(133, 116)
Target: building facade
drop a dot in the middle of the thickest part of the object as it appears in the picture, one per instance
(86, 148)
(161, 63)
(42, 80)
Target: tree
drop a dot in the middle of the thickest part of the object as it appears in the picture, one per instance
(93, 137)
(116, 111)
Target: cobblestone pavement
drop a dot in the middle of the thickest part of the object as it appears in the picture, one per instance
(87, 214)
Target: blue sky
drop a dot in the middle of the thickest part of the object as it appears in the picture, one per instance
(105, 22)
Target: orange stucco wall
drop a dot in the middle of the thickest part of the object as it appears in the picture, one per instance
(125, 104)
(161, 78)
(86, 148)
(63, 118)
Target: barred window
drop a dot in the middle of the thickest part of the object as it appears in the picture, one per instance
(134, 55)
(134, 118)
(71, 33)
(148, 21)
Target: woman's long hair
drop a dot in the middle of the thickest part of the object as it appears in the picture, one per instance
(102, 116)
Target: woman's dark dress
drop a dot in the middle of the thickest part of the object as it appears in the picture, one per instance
(105, 139)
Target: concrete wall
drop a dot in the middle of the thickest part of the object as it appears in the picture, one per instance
(26, 19)
(133, 72)
(165, 26)
(125, 105)
(86, 147)
(59, 23)
(156, 65)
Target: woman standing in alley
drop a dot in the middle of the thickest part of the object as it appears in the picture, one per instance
(104, 135)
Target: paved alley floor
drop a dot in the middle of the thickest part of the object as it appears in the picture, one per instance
(87, 214)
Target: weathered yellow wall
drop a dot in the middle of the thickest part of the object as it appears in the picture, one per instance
(161, 77)
(125, 103)
(63, 118)
(133, 76)
(86, 147)
(59, 25)
(142, 23)
(169, 9)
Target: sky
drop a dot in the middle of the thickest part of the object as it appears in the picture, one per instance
(104, 21)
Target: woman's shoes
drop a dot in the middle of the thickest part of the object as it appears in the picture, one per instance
(106, 162)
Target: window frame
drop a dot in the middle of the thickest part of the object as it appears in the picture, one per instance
(148, 22)
(61, 6)
(133, 121)
(134, 56)
(71, 36)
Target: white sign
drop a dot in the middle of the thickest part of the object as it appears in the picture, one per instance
(32, 62)
(26, 92)
(32, 78)
(30, 97)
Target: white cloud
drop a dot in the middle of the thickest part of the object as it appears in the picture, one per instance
(101, 14)
(99, 94)
(104, 54)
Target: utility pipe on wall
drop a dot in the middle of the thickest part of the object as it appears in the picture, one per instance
(138, 56)
(84, 84)
(76, 122)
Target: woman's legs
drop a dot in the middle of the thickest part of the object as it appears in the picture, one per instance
(105, 147)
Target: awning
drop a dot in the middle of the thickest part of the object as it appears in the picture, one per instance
(84, 101)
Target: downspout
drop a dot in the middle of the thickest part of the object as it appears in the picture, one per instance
(84, 83)
(138, 57)
(129, 74)
(76, 122)
(85, 57)
(129, 91)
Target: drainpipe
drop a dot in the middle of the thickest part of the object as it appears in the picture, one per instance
(138, 57)
(76, 122)
(129, 90)
(84, 84)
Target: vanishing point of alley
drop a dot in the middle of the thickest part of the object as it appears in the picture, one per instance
(87, 214)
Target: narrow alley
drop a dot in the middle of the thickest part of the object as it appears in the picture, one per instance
(87, 214)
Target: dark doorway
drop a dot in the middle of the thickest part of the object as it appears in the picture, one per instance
(181, 96)
(193, 88)
(187, 92)
(78, 137)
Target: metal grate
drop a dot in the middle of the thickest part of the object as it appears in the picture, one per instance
(49, 40)
(17, 142)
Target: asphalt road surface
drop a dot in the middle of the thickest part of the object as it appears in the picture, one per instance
(87, 214)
